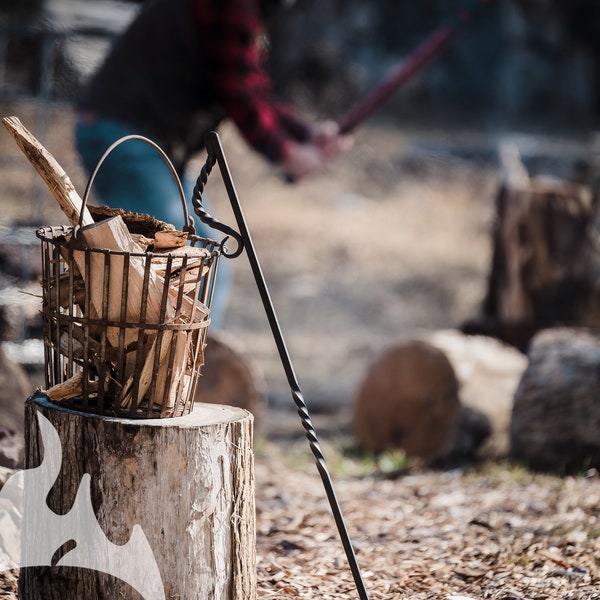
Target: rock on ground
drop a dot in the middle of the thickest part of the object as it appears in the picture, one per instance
(556, 415)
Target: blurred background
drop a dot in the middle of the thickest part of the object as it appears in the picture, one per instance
(395, 237)
(524, 62)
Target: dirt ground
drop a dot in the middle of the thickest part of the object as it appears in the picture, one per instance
(390, 242)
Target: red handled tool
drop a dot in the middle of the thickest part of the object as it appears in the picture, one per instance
(427, 51)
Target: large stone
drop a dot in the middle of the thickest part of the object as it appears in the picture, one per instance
(555, 422)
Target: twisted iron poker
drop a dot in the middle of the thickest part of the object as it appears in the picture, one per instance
(244, 241)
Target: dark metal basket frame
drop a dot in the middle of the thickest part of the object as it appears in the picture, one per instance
(99, 359)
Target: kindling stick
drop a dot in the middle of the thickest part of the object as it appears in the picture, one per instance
(429, 49)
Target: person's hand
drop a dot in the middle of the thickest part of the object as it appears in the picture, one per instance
(326, 136)
(306, 158)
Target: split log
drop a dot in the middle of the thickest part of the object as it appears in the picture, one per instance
(546, 260)
(71, 388)
(488, 372)
(408, 400)
(170, 504)
(112, 234)
(556, 413)
(49, 170)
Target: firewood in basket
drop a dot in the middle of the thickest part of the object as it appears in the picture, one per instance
(112, 234)
(50, 171)
(196, 259)
(64, 299)
(71, 388)
(169, 239)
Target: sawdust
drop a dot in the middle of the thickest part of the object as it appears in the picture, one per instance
(492, 531)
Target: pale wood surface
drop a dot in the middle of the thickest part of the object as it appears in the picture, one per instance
(49, 170)
(188, 482)
(112, 234)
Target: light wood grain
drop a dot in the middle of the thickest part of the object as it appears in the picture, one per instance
(50, 171)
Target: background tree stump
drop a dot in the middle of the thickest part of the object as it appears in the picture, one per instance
(546, 263)
(188, 482)
(228, 378)
(555, 422)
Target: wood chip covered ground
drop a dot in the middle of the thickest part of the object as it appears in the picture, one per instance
(489, 531)
(486, 532)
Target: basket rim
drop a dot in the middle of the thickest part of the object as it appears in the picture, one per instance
(57, 235)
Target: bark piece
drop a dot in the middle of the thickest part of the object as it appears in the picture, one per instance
(169, 239)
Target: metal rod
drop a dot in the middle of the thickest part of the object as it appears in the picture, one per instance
(244, 239)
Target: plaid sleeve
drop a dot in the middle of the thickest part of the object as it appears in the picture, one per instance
(230, 32)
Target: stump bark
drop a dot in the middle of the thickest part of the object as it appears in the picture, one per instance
(185, 483)
(556, 413)
(545, 264)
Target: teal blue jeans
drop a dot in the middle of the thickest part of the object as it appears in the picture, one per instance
(135, 177)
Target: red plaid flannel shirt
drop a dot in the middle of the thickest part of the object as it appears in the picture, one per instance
(230, 33)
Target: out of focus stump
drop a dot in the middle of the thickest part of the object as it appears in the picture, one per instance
(227, 377)
(555, 422)
(408, 400)
(546, 262)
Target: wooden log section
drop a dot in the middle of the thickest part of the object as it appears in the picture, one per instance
(546, 258)
(49, 170)
(186, 482)
(408, 400)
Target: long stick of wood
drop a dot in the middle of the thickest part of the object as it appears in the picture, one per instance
(50, 171)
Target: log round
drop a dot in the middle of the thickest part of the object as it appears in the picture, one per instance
(228, 377)
(408, 400)
(157, 508)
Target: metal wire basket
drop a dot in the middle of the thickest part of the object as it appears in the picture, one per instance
(125, 330)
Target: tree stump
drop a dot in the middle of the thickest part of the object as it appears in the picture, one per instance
(160, 508)
(408, 400)
(556, 413)
(545, 264)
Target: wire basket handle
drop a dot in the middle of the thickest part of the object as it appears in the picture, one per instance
(188, 221)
